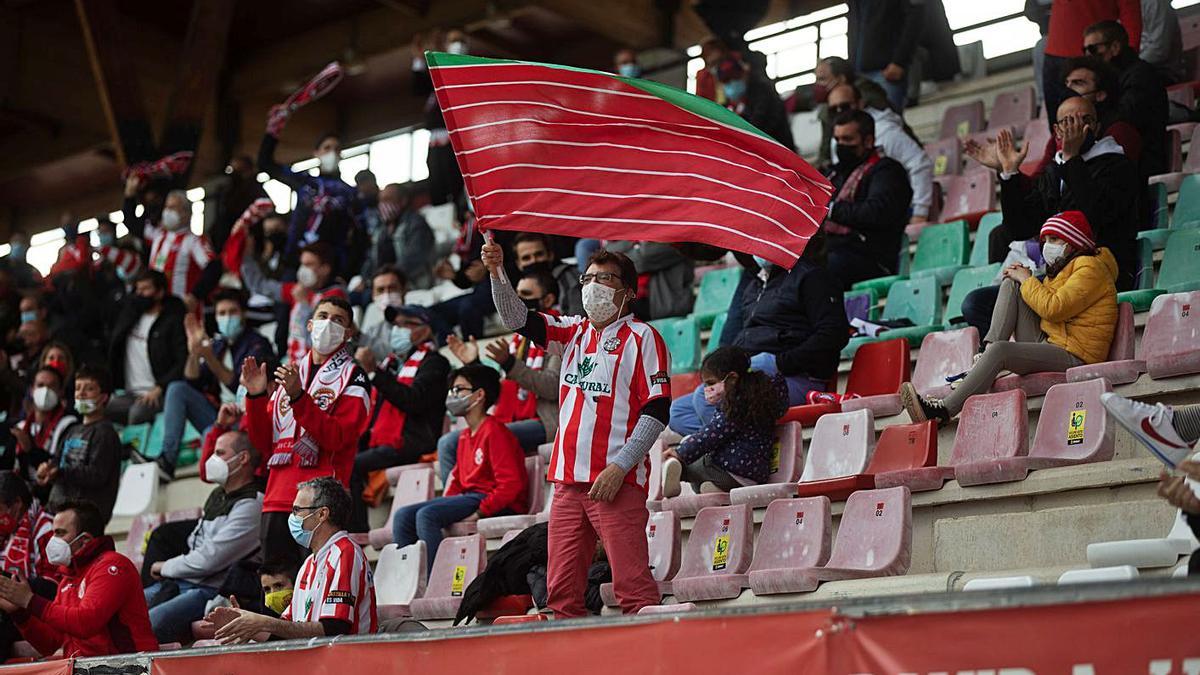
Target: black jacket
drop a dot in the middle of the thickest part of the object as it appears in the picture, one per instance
(1143, 103)
(878, 213)
(1106, 188)
(766, 111)
(423, 402)
(798, 316)
(883, 32)
(166, 345)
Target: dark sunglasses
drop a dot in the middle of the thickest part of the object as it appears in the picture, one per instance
(841, 108)
(1094, 49)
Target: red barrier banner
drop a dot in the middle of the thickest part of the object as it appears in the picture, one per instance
(59, 667)
(1154, 636)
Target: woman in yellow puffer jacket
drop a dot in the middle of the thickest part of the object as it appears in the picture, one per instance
(1063, 321)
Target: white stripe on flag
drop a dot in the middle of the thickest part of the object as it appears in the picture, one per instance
(550, 83)
(465, 106)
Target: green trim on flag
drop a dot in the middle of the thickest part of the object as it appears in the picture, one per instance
(673, 95)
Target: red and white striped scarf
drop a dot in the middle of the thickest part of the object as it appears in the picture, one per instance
(849, 189)
(391, 419)
(21, 554)
(329, 383)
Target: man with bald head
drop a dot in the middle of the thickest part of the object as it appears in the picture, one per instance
(1089, 173)
(892, 140)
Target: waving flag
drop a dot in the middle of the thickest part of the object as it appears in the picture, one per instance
(588, 154)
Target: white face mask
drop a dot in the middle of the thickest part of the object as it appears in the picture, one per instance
(86, 406)
(45, 399)
(170, 219)
(306, 277)
(457, 47)
(1053, 253)
(327, 336)
(58, 551)
(598, 302)
(329, 162)
(216, 470)
(388, 299)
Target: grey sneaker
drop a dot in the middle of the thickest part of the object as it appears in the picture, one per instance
(920, 408)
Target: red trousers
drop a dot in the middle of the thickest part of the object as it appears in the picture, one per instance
(575, 522)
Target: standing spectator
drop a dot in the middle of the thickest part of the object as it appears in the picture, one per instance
(666, 278)
(1162, 39)
(122, 260)
(46, 419)
(388, 288)
(409, 397)
(615, 370)
(315, 281)
(403, 240)
(311, 423)
(32, 338)
(210, 374)
(87, 460)
(186, 259)
(893, 141)
(532, 251)
(1143, 101)
(445, 179)
(830, 72)
(334, 593)
(1038, 12)
(235, 191)
(1068, 20)
(883, 35)
(754, 98)
(625, 63)
(466, 312)
(870, 208)
(489, 477)
(148, 349)
(226, 533)
(99, 609)
(21, 274)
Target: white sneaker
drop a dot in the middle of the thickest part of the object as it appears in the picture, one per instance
(708, 487)
(672, 469)
(1150, 425)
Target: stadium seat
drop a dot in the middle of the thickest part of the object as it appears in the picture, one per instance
(979, 249)
(684, 384)
(1165, 552)
(412, 486)
(393, 472)
(1145, 292)
(1033, 384)
(1187, 206)
(787, 459)
(139, 532)
(459, 560)
(861, 304)
(714, 336)
(673, 608)
(999, 583)
(138, 492)
(716, 292)
(137, 437)
(1072, 428)
(1177, 166)
(519, 618)
(958, 121)
(664, 541)
(990, 427)
(875, 376)
(901, 447)
(966, 280)
(717, 555)
(946, 155)
(1171, 335)
(944, 354)
(496, 526)
(1037, 137)
(688, 503)
(1012, 109)
(1098, 575)
(838, 454)
(969, 196)
(401, 574)
(919, 301)
(683, 341)
(1180, 269)
(795, 537)
(942, 250)
(1121, 367)
(881, 284)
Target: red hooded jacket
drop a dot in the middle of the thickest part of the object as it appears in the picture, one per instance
(100, 609)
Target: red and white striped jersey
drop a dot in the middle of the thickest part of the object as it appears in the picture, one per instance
(180, 255)
(607, 377)
(335, 583)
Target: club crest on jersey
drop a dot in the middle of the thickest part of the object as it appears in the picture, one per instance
(612, 344)
(323, 397)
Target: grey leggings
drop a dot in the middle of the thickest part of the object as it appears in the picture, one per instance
(1030, 353)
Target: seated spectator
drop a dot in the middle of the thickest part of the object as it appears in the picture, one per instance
(870, 208)
(795, 325)
(403, 239)
(315, 281)
(1143, 100)
(228, 532)
(32, 338)
(99, 609)
(734, 448)
(278, 585)
(753, 97)
(184, 258)
(57, 355)
(665, 278)
(528, 403)
(533, 252)
(892, 140)
(334, 593)
(489, 476)
(830, 72)
(409, 397)
(46, 420)
(148, 350)
(310, 424)
(86, 464)
(22, 274)
(388, 288)
(25, 529)
(1063, 321)
(210, 374)
(1096, 81)
(468, 311)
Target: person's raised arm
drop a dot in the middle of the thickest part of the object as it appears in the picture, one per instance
(513, 313)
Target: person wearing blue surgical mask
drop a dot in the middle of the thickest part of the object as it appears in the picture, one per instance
(23, 274)
(626, 63)
(209, 373)
(752, 96)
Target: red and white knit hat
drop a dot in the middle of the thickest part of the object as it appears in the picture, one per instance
(1072, 227)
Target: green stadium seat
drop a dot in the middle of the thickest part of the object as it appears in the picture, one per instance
(683, 341)
(1144, 294)
(136, 436)
(1187, 208)
(716, 292)
(941, 251)
(714, 337)
(154, 439)
(919, 301)
(965, 281)
(979, 250)
(1180, 269)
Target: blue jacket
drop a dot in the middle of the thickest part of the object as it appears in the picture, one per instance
(249, 343)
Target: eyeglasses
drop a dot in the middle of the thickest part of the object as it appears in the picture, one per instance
(1093, 49)
(460, 391)
(602, 277)
(841, 108)
(297, 509)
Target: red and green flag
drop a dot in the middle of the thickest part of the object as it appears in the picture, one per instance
(560, 150)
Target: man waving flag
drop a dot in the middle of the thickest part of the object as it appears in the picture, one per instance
(588, 154)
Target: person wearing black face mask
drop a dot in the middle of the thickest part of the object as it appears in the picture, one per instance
(148, 349)
(870, 208)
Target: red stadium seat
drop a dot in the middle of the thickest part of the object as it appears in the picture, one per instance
(969, 196)
(795, 537)
(684, 383)
(412, 486)
(506, 605)
(902, 447)
(946, 155)
(875, 375)
(1171, 335)
(393, 472)
(944, 354)
(1037, 137)
(960, 120)
(496, 526)
(1033, 384)
(990, 427)
(1012, 109)
(1121, 367)
(459, 560)
(674, 608)
(838, 454)
(519, 618)
(786, 462)
(718, 554)
(1072, 429)
(665, 543)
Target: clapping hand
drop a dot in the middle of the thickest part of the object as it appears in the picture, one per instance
(288, 377)
(197, 339)
(254, 376)
(497, 350)
(228, 415)
(466, 352)
(985, 154)
(1008, 153)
